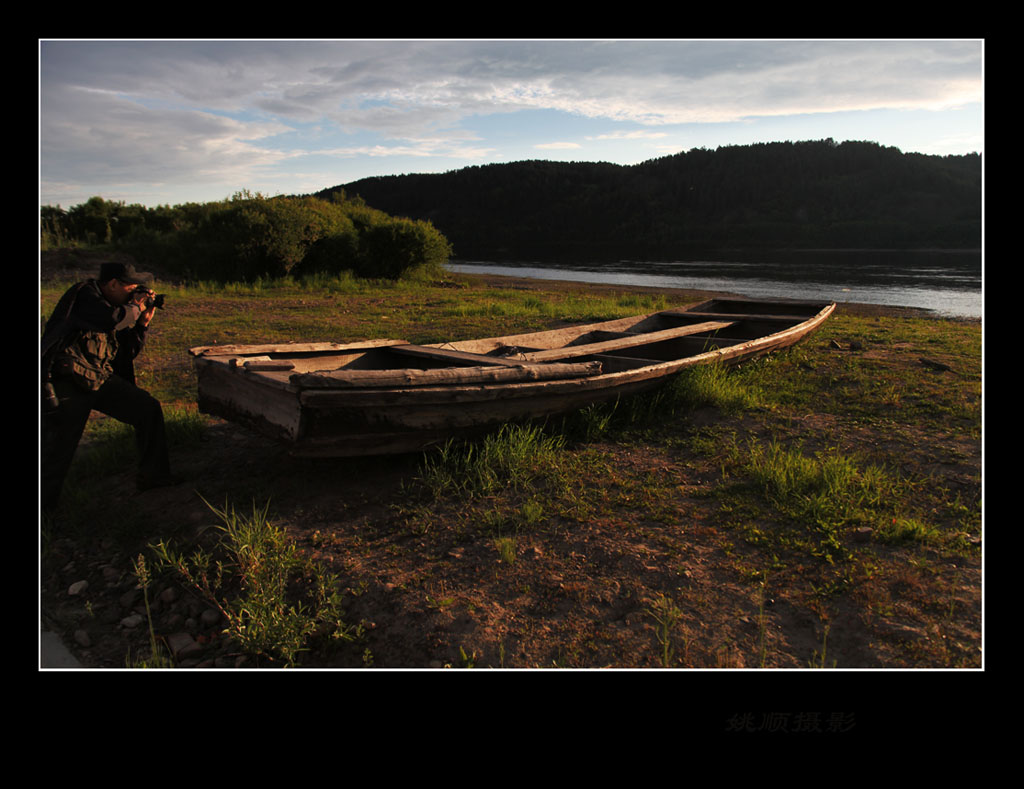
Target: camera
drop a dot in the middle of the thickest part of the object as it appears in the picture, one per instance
(152, 299)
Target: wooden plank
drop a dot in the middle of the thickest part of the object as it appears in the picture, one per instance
(451, 355)
(264, 365)
(366, 379)
(645, 338)
(734, 316)
(292, 347)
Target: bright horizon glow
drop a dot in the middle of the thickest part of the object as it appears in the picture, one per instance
(168, 122)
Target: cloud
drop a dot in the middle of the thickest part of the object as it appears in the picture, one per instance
(557, 146)
(96, 134)
(641, 134)
(231, 112)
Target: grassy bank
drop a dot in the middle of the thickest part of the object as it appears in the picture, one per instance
(818, 508)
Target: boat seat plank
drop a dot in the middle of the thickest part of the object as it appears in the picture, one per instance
(208, 351)
(451, 355)
(368, 379)
(733, 316)
(645, 338)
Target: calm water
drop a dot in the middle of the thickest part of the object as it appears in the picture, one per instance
(947, 282)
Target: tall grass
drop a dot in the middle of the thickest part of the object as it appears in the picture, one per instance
(272, 598)
(710, 385)
(509, 459)
(828, 490)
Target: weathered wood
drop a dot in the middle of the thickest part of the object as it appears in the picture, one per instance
(732, 316)
(359, 398)
(629, 340)
(296, 347)
(267, 364)
(363, 379)
(454, 356)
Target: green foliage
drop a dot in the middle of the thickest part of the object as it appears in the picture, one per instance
(156, 657)
(274, 600)
(390, 249)
(251, 237)
(830, 492)
(810, 194)
(506, 460)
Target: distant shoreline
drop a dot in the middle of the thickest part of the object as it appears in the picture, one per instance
(683, 295)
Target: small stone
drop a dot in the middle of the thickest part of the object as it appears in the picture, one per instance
(130, 598)
(210, 617)
(77, 588)
(183, 646)
(863, 534)
(174, 621)
(132, 621)
(168, 595)
(82, 638)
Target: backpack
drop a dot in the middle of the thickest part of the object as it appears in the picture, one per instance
(84, 356)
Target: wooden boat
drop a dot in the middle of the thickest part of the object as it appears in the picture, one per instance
(390, 396)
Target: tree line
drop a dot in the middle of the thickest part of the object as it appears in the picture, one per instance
(250, 236)
(815, 194)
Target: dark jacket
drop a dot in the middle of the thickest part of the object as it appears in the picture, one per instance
(83, 309)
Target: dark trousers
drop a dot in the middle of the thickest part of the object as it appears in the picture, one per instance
(62, 430)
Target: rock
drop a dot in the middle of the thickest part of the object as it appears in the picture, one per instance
(77, 588)
(132, 621)
(863, 534)
(183, 646)
(82, 638)
(168, 595)
(174, 621)
(210, 617)
(130, 598)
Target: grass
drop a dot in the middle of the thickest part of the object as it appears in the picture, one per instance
(510, 459)
(823, 466)
(666, 615)
(156, 658)
(273, 599)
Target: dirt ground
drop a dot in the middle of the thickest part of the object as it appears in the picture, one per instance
(431, 589)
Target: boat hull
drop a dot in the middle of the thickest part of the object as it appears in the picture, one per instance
(351, 400)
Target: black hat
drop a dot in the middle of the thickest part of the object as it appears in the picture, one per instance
(124, 273)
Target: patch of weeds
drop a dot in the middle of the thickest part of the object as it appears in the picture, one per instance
(820, 659)
(711, 385)
(903, 530)
(667, 615)
(590, 423)
(829, 490)
(467, 660)
(274, 600)
(508, 460)
(506, 547)
(156, 658)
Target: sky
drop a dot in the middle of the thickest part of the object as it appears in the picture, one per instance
(166, 122)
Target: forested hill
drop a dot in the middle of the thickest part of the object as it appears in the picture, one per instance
(819, 194)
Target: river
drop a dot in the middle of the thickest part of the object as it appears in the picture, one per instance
(948, 283)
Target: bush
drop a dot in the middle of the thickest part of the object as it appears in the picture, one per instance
(395, 248)
(250, 237)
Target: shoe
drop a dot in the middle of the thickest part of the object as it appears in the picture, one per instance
(147, 482)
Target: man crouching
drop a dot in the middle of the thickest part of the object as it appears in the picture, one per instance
(88, 349)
